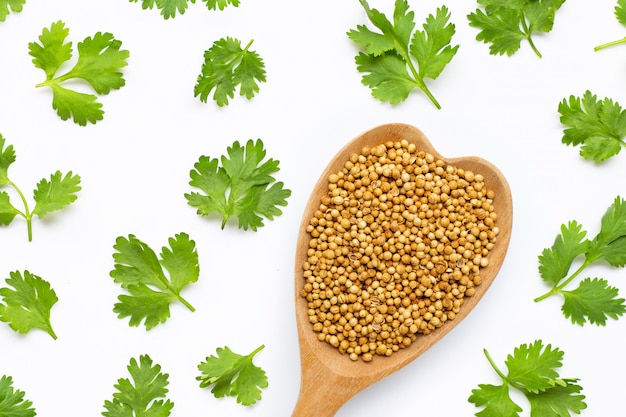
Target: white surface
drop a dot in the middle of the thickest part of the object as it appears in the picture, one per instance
(135, 169)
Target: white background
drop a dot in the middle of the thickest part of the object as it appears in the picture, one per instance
(135, 170)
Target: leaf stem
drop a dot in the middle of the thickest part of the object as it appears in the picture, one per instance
(420, 81)
(185, 302)
(527, 32)
(558, 288)
(608, 44)
(493, 365)
(26, 214)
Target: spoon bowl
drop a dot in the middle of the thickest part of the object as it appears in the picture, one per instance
(328, 378)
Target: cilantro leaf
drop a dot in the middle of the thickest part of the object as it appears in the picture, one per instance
(620, 14)
(558, 401)
(396, 59)
(504, 24)
(594, 300)
(99, 63)
(49, 196)
(169, 8)
(27, 306)
(243, 186)
(233, 375)
(555, 262)
(13, 5)
(532, 371)
(226, 66)
(55, 194)
(142, 395)
(598, 125)
(496, 401)
(141, 273)
(12, 402)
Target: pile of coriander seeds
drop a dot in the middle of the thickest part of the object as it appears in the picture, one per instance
(395, 246)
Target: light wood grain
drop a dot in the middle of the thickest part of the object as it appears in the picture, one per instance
(329, 379)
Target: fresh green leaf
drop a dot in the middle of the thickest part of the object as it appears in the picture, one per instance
(620, 14)
(169, 8)
(49, 196)
(27, 305)
(504, 24)
(598, 125)
(594, 300)
(397, 59)
(533, 372)
(55, 194)
(226, 66)
(7, 6)
(608, 245)
(141, 273)
(99, 64)
(12, 402)
(233, 375)
(144, 394)
(243, 186)
(555, 262)
(7, 157)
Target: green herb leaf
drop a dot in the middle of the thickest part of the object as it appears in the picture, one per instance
(100, 59)
(594, 300)
(55, 194)
(169, 8)
(226, 66)
(243, 186)
(12, 402)
(598, 125)
(532, 371)
(233, 375)
(555, 262)
(142, 395)
(27, 305)
(396, 60)
(14, 6)
(141, 273)
(504, 24)
(49, 196)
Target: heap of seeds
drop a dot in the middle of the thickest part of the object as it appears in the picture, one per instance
(396, 244)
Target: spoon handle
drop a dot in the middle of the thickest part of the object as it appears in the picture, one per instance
(322, 393)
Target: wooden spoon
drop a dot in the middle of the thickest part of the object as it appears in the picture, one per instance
(329, 379)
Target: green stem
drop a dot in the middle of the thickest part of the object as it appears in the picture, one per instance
(559, 287)
(493, 365)
(26, 214)
(419, 81)
(608, 44)
(257, 350)
(528, 37)
(185, 302)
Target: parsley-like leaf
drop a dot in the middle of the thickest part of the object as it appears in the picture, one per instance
(142, 395)
(233, 375)
(50, 195)
(141, 273)
(99, 63)
(396, 59)
(226, 66)
(243, 186)
(169, 8)
(12, 402)
(532, 370)
(594, 300)
(620, 14)
(27, 305)
(599, 126)
(14, 6)
(504, 24)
